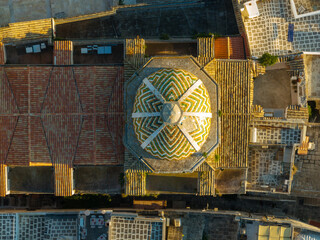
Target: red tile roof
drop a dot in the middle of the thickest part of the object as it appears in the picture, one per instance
(61, 115)
(236, 48)
(233, 48)
(221, 48)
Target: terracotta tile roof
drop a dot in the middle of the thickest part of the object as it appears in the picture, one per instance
(63, 53)
(2, 54)
(61, 115)
(221, 48)
(236, 48)
(49, 98)
(229, 48)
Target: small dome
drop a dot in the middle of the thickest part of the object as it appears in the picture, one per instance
(172, 114)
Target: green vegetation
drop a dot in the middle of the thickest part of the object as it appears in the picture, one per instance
(219, 113)
(267, 59)
(310, 110)
(87, 201)
(205, 154)
(121, 2)
(164, 36)
(216, 157)
(203, 34)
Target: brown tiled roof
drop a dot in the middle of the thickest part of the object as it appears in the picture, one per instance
(236, 48)
(81, 106)
(206, 180)
(221, 48)
(229, 48)
(61, 115)
(236, 90)
(63, 53)
(205, 49)
(135, 182)
(2, 53)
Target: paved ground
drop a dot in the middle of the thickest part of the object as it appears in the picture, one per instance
(25, 10)
(269, 31)
(229, 181)
(307, 6)
(181, 20)
(306, 180)
(272, 90)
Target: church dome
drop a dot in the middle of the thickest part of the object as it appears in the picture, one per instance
(171, 114)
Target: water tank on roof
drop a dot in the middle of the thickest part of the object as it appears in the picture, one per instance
(253, 135)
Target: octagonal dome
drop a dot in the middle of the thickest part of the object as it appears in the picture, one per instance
(171, 114)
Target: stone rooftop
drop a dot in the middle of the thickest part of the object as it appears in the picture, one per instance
(312, 73)
(306, 180)
(268, 32)
(60, 116)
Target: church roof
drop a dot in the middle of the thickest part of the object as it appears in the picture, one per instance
(171, 114)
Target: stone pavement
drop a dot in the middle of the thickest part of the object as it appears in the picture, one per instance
(26, 10)
(306, 182)
(176, 20)
(306, 6)
(268, 32)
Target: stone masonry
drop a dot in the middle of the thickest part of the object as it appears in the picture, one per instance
(306, 180)
(269, 31)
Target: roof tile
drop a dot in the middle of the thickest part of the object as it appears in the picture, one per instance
(63, 53)
(2, 54)
(81, 120)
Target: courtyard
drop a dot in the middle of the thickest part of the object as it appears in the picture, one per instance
(273, 90)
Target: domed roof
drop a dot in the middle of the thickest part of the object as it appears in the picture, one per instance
(171, 114)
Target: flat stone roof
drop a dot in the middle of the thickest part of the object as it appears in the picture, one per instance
(31, 180)
(312, 73)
